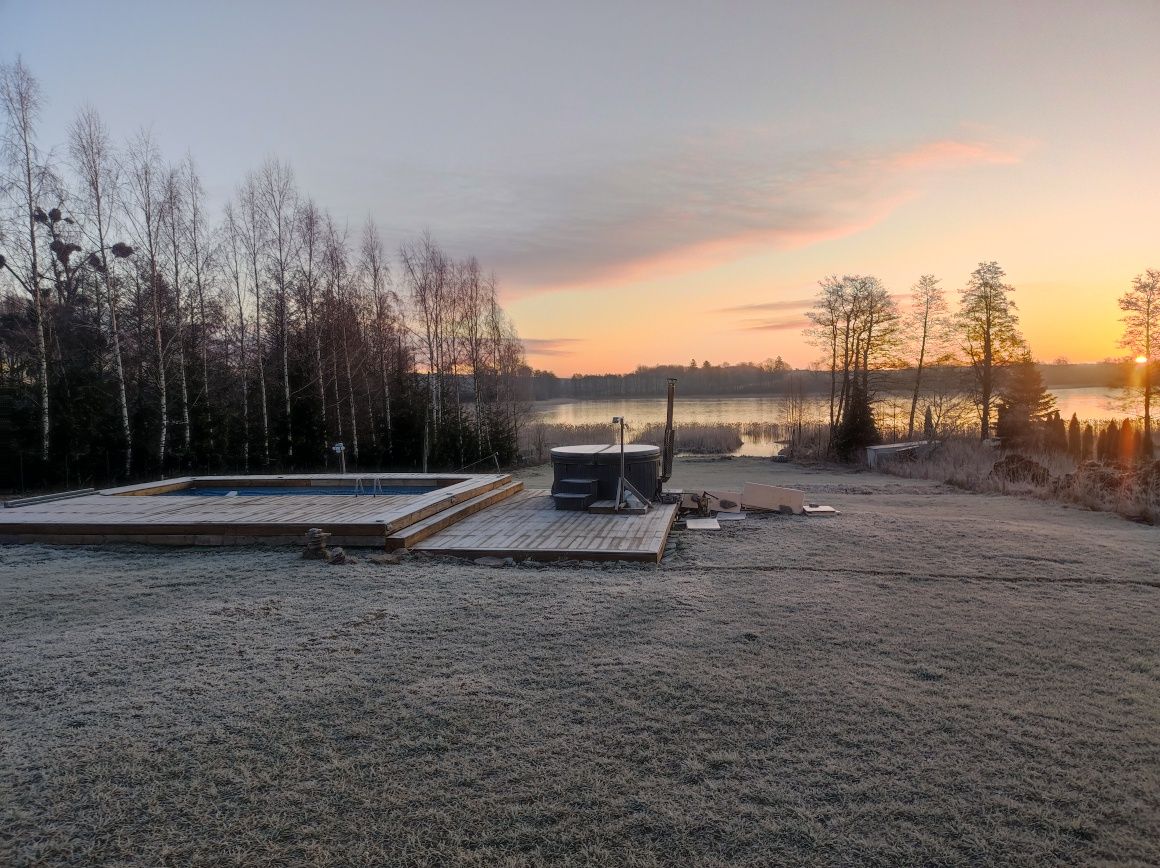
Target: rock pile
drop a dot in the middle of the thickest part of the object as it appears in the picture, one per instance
(316, 549)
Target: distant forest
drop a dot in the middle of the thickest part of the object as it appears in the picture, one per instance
(771, 377)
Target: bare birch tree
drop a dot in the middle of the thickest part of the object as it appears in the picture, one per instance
(928, 326)
(1141, 307)
(21, 101)
(254, 238)
(145, 212)
(279, 202)
(96, 165)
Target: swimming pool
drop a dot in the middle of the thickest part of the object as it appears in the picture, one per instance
(367, 490)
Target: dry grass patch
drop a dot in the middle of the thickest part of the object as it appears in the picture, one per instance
(1133, 492)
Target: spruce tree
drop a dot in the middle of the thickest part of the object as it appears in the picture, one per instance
(857, 429)
(1088, 445)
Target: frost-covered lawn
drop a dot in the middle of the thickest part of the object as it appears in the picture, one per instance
(931, 677)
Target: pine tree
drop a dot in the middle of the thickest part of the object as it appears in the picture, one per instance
(928, 425)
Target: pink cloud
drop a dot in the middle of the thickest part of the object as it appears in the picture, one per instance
(712, 202)
(551, 346)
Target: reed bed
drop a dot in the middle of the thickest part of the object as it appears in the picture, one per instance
(538, 438)
(718, 438)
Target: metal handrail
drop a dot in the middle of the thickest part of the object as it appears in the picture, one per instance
(493, 457)
(376, 485)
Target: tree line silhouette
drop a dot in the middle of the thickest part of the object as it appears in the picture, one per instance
(140, 334)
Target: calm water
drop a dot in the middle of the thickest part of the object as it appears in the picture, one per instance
(1088, 403)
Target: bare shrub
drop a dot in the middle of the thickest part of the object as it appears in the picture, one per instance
(809, 441)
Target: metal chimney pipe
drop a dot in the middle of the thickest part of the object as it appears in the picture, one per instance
(670, 435)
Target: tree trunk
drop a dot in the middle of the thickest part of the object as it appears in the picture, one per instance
(917, 379)
(162, 385)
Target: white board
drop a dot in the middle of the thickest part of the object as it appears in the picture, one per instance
(813, 509)
(702, 524)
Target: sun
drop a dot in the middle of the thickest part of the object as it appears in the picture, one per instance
(1141, 360)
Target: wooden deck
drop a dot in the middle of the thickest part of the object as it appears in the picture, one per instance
(469, 516)
(110, 516)
(528, 526)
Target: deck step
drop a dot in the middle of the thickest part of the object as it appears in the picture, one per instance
(573, 501)
(431, 525)
(46, 498)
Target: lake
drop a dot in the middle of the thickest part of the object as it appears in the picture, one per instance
(1086, 402)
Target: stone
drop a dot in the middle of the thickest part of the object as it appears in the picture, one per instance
(389, 558)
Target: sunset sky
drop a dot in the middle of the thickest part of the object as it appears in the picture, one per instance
(653, 182)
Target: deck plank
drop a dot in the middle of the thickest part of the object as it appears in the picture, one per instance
(528, 525)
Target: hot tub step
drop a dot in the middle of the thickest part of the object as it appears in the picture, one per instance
(573, 501)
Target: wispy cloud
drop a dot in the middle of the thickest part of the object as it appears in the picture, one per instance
(767, 307)
(551, 346)
(690, 207)
(775, 325)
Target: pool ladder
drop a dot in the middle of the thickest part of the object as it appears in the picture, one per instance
(376, 485)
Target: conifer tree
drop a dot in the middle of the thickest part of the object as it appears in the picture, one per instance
(1109, 441)
(1127, 442)
(1055, 434)
(857, 429)
(1074, 439)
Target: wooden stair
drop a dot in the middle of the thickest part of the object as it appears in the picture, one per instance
(421, 530)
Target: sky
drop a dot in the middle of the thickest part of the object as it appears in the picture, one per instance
(656, 182)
